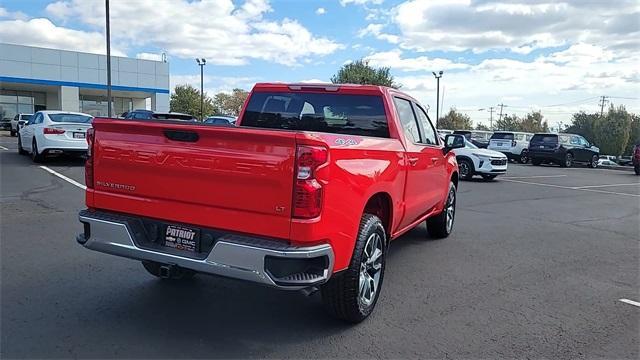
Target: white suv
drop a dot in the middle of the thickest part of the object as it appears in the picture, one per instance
(475, 161)
(513, 144)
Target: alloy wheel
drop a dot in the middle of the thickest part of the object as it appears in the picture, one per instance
(464, 169)
(370, 269)
(450, 210)
(568, 161)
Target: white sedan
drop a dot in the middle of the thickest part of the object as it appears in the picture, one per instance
(475, 161)
(54, 133)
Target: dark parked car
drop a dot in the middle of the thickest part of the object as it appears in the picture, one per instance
(221, 120)
(149, 115)
(562, 149)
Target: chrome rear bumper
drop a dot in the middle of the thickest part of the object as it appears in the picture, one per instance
(233, 256)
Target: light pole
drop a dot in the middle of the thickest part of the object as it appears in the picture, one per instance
(201, 62)
(438, 76)
(108, 35)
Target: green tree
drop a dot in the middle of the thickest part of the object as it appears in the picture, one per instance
(230, 104)
(634, 134)
(613, 131)
(533, 122)
(584, 124)
(186, 99)
(360, 72)
(508, 123)
(482, 127)
(455, 120)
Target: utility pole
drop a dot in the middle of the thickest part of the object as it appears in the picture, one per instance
(491, 118)
(108, 35)
(603, 100)
(201, 62)
(501, 106)
(438, 76)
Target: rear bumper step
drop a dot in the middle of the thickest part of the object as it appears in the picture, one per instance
(235, 256)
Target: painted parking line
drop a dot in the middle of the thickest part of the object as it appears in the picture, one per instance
(571, 188)
(532, 177)
(599, 186)
(630, 302)
(3, 148)
(67, 179)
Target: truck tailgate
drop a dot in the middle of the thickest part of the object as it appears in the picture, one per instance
(228, 178)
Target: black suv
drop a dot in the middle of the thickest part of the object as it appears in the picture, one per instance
(562, 149)
(150, 115)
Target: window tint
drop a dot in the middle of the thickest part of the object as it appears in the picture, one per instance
(564, 139)
(332, 113)
(575, 140)
(502, 136)
(544, 138)
(408, 120)
(70, 118)
(39, 119)
(430, 137)
(583, 141)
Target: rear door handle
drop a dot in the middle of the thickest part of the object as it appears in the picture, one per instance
(434, 160)
(413, 161)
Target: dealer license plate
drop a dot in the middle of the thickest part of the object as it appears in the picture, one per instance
(182, 238)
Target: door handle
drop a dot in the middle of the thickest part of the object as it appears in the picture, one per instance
(434, 160)
(413, 161)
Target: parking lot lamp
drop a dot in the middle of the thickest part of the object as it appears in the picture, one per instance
(108, 36)
(438, 76)
(201, 62)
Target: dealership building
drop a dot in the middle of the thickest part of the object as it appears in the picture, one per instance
(33, 79)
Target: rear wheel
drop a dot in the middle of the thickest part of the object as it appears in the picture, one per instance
(466, 169)
(536, 162)
(352, 294)
(441, 225)
(34, 152)
(489, 177)
(568, 160)
(594, 162)
(13, 133)
(524, 157)
(176, 273)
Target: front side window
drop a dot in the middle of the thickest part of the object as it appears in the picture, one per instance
(430, 137)
(408, 119)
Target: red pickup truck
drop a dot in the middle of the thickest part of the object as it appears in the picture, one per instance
(305, 193)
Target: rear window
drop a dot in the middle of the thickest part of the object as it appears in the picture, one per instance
(25, 116)
(332, 113)
(164, 116)
(502, 136)
(547, 139)
(71, 118)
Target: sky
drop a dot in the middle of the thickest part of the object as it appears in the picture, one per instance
(558, 57)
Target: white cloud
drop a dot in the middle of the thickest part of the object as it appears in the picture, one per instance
(394, 60)
(521, 26)
(313, 81)
(214, 84)
(43, 33)
(227, 35)
(375, 30)
(321, 11)
(15, 15)
(360, 2)
(149, 56)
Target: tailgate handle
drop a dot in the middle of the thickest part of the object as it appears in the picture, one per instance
(181, 135)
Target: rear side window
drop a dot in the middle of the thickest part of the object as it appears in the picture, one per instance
(408, 120)
(332, 113)
(502, 136)
(70, 118)
(547, 139)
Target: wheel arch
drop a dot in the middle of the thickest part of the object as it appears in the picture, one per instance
(380, 204)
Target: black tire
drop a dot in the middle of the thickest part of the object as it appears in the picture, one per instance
(439, 226)
(524, 157)
(467, 170)
(568, 160)
(594, 162)
(21, 151)
(636, 168)
(341, 295)
(536, 162)
(37, 158)
(154, 269)
(488, 177)
(13, 133)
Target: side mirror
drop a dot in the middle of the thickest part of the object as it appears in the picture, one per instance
(453, 142)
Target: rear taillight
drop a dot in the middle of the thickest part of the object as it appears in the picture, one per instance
(53, 131)
(88, 165)
(307, 196)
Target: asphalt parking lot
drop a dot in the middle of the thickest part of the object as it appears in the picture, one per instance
(535, 268)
